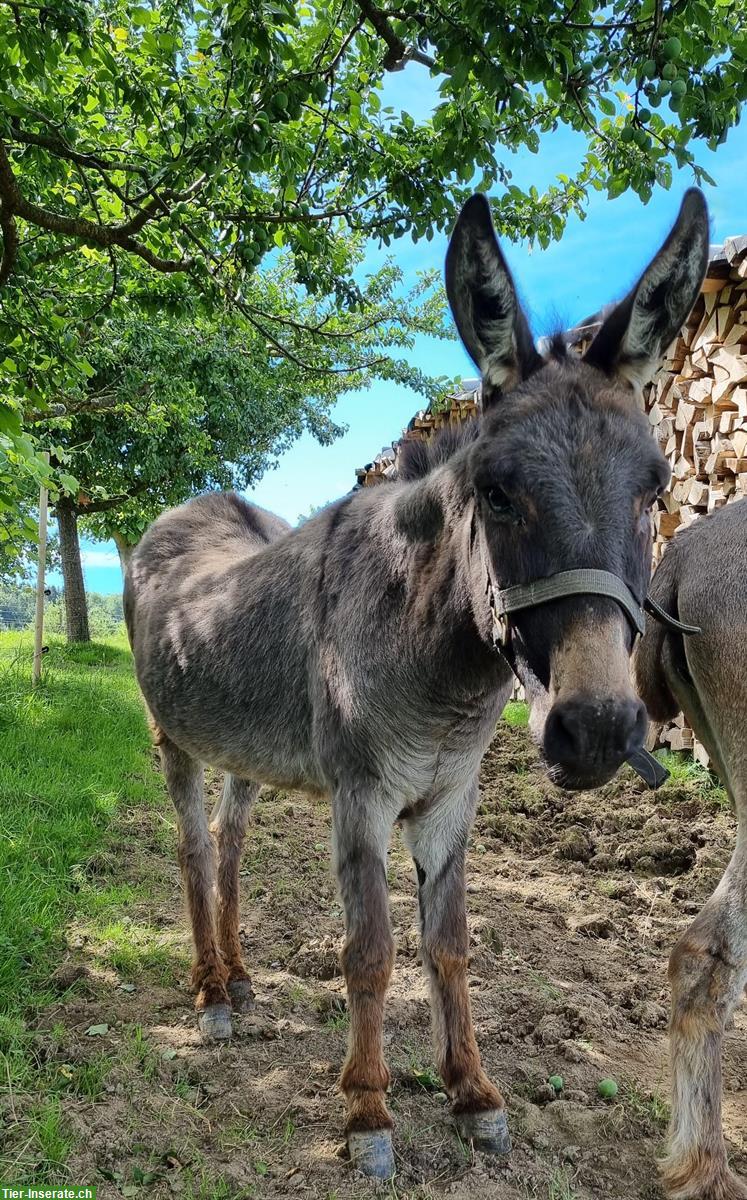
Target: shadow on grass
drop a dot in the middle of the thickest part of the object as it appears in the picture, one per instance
(73, 753)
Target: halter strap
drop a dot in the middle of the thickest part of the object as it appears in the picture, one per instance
(661, 614)
(578, 582)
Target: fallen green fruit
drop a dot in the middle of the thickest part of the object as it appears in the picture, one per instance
(607, 1089)
(556, 1081)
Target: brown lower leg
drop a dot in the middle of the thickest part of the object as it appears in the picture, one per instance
(445, 957)
(209, 974)
(365, 1076)
(197, 862)
(367, 962)
(456, 1048)
(229, 834)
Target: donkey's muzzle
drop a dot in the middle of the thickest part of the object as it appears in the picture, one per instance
(587, 740)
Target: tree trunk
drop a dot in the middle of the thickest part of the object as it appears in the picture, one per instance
(124, 549)
(76, 605)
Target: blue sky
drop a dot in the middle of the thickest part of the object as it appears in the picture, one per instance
(595, 262)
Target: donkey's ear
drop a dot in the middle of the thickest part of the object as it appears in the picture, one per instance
(639, 329)
(483, 300)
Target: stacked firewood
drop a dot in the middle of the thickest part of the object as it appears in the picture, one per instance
(451, 410)
(697, 406)
(698, 403)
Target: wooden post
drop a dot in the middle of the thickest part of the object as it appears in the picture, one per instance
(42, 562)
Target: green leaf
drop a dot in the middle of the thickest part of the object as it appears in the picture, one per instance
(616, 186)
(10, 420)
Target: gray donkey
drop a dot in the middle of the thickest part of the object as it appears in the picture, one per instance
(703, 578)
(367, 654)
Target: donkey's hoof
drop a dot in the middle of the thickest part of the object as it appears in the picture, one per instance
(371, 1152)
(215, 1023)
(242, 996)
(488, 1131)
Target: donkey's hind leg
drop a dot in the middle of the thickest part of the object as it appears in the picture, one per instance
(437, 841)
(708, 972)
(229, 826)
(708, 966)
(184, 778)
(361, 837)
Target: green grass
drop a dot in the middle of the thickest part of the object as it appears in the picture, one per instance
(561, 1185)
(647, 1106)
(516, 713)
(71, 754)
(75, 759)
(685, 771)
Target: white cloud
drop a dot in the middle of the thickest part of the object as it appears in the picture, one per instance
(99, 558)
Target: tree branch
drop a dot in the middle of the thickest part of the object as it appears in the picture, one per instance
(61, 149)
(85, 505)
(10, 244)
(398, 54)
(104, 236)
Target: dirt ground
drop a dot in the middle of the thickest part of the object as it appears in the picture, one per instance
(574, 903)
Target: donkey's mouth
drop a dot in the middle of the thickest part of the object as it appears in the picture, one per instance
(586, 741)
(580, 781)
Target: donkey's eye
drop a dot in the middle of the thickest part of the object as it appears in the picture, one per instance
(501, 506)
(653, 496)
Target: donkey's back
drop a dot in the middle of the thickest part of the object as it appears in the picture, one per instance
(218, 529)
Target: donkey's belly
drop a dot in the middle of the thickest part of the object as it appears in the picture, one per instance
(242, 714)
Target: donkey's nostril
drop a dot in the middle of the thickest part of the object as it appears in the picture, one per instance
(564, 733)
(586, 736)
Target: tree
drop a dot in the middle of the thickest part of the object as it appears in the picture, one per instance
(161, 150)
(179, 405)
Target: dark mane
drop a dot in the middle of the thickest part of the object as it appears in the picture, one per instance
(417, 458)
(557, 346)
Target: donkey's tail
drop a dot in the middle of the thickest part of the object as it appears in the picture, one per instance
(659, 646)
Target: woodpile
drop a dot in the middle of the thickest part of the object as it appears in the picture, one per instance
(697, 406)
(450, 410)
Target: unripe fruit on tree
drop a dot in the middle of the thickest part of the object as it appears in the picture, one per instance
(671, 49)
(679, 87)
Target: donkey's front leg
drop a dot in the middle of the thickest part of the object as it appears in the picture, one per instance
(361, 836)
(437, 841)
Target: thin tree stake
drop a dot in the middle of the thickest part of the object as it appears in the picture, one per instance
(42, 562)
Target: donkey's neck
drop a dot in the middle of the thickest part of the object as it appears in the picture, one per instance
(446, 578)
